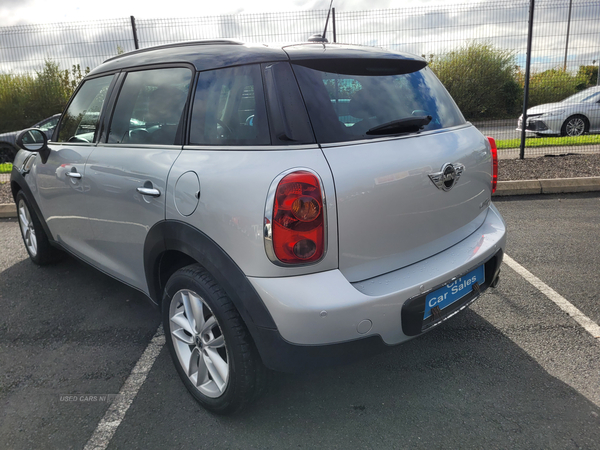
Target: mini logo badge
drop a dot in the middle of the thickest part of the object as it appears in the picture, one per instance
(447, 178)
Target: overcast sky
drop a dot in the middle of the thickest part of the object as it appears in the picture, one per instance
(423, 27)
(21, 12)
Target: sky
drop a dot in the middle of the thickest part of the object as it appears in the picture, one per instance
(422, 27)
(23, 12)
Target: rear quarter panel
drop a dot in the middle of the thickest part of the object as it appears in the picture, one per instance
(233, 191)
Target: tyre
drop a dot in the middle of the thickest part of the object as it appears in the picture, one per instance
(34, 237)
(7, 154)
(574, 126)
(209, 342)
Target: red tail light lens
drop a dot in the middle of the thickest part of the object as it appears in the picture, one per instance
(494, 163)
(298, 228)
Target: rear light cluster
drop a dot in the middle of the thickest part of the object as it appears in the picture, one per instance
(298, 225)
(494, 163)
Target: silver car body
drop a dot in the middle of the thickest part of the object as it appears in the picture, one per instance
(553, 118)
(391, 235)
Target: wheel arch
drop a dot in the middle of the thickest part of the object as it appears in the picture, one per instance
(10, 146)
(18, 184)
(171, 245)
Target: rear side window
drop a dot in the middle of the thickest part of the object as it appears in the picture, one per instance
(80, 121)
(150, 107)
(229, 108)
(345, 107)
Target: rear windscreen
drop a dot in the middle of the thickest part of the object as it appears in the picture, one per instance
(344, 107)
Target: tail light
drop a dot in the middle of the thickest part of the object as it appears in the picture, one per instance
(494, 163)
(295, 220)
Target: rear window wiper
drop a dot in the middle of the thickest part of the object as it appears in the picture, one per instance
(406, 125)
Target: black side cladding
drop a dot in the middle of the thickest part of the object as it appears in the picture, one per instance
(17, 179)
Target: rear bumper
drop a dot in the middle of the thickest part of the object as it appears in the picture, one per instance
(323, 319)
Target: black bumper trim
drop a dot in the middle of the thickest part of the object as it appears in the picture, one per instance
(414, 309)
(282, 356)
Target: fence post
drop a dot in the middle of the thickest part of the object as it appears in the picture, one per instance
(333, 23)
(568, 30)
(135, 36)
(526, 87)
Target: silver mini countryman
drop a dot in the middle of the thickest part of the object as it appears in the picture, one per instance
(286, 207)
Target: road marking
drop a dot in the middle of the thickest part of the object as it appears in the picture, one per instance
(589, 325)
(118, 408)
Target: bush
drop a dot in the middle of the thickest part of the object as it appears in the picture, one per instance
(482, 79)
(26, 99)
(588, 74)
(553, 86)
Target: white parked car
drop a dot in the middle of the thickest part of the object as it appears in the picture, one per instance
(574, 116)
(286, 207)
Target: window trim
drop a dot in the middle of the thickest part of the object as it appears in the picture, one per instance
(187, 141)
(337, 143)
(179, 136)
(105, 106)
(277, 104)
(394, 137)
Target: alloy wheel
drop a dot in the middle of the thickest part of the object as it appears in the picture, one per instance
(27, 228)
(575, 126)
(199, 343)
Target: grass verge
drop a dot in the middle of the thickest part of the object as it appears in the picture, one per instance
(550, 141)
(5, 168)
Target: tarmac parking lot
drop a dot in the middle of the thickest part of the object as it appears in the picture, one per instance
(519, 369)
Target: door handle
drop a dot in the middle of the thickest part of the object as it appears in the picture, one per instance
(149, 191)
(73, 174)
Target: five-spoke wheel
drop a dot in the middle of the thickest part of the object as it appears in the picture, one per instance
(199, 343)
(210, 345)
(27, 228)
(35, 238)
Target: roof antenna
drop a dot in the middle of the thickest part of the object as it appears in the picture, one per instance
(319, 37)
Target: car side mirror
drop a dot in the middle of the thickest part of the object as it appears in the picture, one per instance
(34, 140)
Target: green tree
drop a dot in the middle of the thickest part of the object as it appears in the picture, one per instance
(26, 98)
(589, 74)
(552, 86)
(481, 78)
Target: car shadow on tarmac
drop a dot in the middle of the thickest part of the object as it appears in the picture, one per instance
(68, 329)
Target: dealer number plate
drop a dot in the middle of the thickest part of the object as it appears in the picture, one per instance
(452, 292)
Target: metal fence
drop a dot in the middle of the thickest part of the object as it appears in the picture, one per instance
(462, 43)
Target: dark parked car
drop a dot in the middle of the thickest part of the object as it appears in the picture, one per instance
(8, 146)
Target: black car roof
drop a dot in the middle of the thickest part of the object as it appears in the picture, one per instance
(206, 55)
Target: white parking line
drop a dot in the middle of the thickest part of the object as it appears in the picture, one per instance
(118, 408)
(589, 325)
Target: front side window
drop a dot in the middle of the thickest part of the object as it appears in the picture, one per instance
(81, 120)
(150, 107)
(346, 107)
(229, 108)
(583, 96)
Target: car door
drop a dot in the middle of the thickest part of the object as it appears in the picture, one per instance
(60, 183)
(128, 173)
(594, 114)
